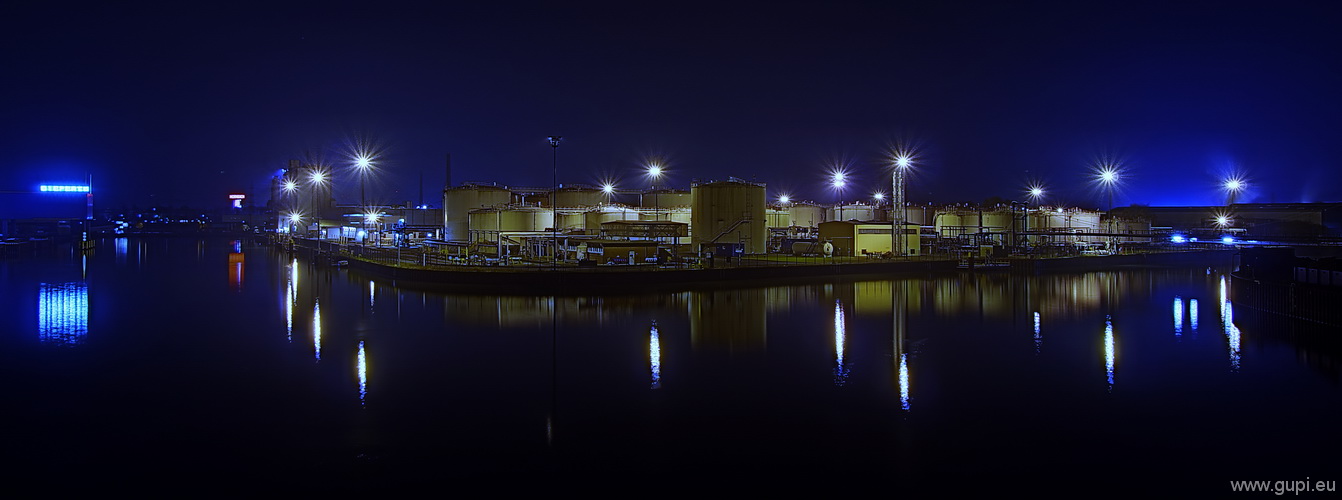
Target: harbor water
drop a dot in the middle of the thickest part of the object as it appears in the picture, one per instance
(219, 364)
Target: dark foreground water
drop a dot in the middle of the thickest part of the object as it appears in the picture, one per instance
(217, 366)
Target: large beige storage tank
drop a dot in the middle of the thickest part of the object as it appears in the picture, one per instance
(607, 213)
(459, 201)
(806, 214)
(571, 219)
(851, 211)
(575, 197)
(485, 223)
(920, 215)
(1074, 218)
(666, 198)
(729, 212)
(1119, 225)
(778, 217)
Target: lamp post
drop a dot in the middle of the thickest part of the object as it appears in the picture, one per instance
(1108, 176)
(897, 211)
(363, 163)
(318, 178)
(289, 188)
(1232, 187)
(654, 173)
(554, 191)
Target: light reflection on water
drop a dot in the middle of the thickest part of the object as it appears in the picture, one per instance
(655, 356)
(63, 313)
(362, 363)
(317, 329)
(1109, 351)
(1178, 316)
(840, 335)
(959, 329)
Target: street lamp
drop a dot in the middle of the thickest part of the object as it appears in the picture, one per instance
(654, 173)
(1232, 186)
(784, 199)
(1036, 192)
(554, 190)
(318, 178)
(902, 162)
(1108, 175)
(363, 163)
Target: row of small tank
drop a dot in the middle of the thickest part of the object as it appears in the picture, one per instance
(725, 211)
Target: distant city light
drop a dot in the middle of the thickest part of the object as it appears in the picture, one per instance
(47, 188)
(237, 196)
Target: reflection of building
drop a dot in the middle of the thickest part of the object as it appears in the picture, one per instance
(730, 320)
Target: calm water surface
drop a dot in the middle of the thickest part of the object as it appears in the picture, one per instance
(223, 365)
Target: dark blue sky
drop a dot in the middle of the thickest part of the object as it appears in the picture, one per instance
(181, 104)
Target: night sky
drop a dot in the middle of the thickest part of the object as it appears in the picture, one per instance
(181, 104)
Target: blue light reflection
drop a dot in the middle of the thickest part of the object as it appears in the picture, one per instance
(62, 313)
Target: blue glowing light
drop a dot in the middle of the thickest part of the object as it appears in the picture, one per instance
(1178, 238)
(1038, 337)
(1193, 315)
(1227, 240)
(49, 188)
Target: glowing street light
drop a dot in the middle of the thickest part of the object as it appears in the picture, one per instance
(1108, 175)
(1036, 192)
(608, 189)
(879, 196)
(1232, 186)
(654, 173)
(902, 159)
(784, 199)
(318, 179)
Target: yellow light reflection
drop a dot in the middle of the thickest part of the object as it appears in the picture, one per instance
(655, 357)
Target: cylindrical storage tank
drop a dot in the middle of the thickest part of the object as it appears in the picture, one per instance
(949, 222)
(778, 217)
(574, 197)
(665, 198)
(458, 202)
(596, 216)
(524, 219)
(729, 212)
(678, 214)
(852, 211)
(920, 215)
(571, 219)
(806, 214)
(486, 223)
(997, 221)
